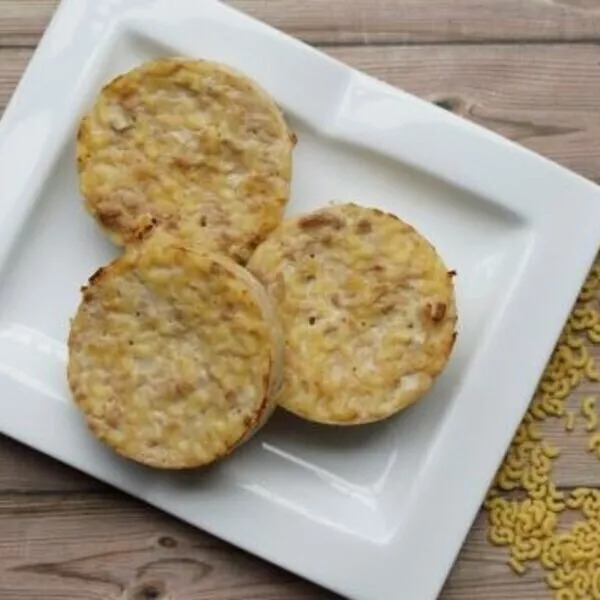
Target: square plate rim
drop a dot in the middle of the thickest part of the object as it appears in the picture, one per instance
(376, 568)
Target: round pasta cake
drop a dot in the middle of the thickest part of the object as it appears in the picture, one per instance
(367, 310)
(174, 355)
(190, 144)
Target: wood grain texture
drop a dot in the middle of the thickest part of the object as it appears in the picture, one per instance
(24, 471)
(377, 21)
(22, 22)
(12, 64)
(55, 543)
(107, 546)
(433, 21)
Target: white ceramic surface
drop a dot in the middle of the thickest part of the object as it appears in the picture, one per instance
(375, 513)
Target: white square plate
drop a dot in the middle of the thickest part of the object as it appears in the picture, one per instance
(375, 513)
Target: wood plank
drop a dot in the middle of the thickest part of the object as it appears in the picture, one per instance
(542, 96)
(376, 21)
(25, 471)
(47, 543)
(12, 64)
(439, 21)
(22, 22)
(109, 546)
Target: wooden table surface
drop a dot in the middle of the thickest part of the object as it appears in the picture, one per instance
(528, 69)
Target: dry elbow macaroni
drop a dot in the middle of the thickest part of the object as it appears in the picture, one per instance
(528, 526)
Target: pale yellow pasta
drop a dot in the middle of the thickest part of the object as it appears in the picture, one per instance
(595, 587)
(583, 358)
(537, 410)
(521, 435)
(591, 507)
(541, 463)
(538, 492)
(562, 392)
(496, 501)
(516, 460)
(518, 567)
(549, 523)
(588, 410)
(554, 493)
(532, 479)
(587, 314)
(564, 353)
(554, 581)
(495, 519)
(582, 582)
(527, 549)
(575, 500)
(513, 471)
(491, 496)
(519, 553)
(594, 443)
(566, 575)
(506, 483)
(533, 432)
(590, 370)
(547, 562)
(580, 493)
(501, 536)
(550, 451)
(574, 341)
(574, 377)
(509, 515)
(555, 505)
(529, 526)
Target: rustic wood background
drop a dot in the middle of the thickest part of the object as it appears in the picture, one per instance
(529, 69)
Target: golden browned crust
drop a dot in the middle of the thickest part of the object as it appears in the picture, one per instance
(367, 308)
(175, 355)
(189, 144)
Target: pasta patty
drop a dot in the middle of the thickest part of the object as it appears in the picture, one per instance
(367, 308)
(174, 355)
(190, 144)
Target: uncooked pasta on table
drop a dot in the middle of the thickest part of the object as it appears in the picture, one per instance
(524, 503)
